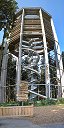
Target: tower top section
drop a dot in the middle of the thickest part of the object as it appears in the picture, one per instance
(28, 22)
(33, 11)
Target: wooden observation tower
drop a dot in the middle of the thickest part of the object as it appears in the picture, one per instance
(34, 43)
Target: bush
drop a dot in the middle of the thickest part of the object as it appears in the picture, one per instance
(37, 103)
(9, 104)
(51, 102)
(45, 102)
(15, 104)
(60, 101)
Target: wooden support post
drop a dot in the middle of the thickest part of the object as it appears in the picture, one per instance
(47, 75)
(20, 53)
(4, 74)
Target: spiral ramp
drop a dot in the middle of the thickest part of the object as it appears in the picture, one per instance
(31, 53)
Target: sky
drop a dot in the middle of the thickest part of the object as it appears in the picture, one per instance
(55, 8)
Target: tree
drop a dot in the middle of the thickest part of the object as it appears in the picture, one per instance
(7, 12)
(7, 15)
(8, 9)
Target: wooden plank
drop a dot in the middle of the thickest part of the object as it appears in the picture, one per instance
(16, 111)
(6, 111)
(26, 22)
(3, 111)
(19, 112)
(31, 110)
(22, 111)
(26, 112)
(10, 111)
(0, 111)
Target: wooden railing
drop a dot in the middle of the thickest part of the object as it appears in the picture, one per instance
(16, 111)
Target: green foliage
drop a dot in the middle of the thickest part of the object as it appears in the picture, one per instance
(8, 9)
(60, 101)
(7, 12)
(51, 101)
(13, 103)
(38, 103)
(9, 104)
(46, 102)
